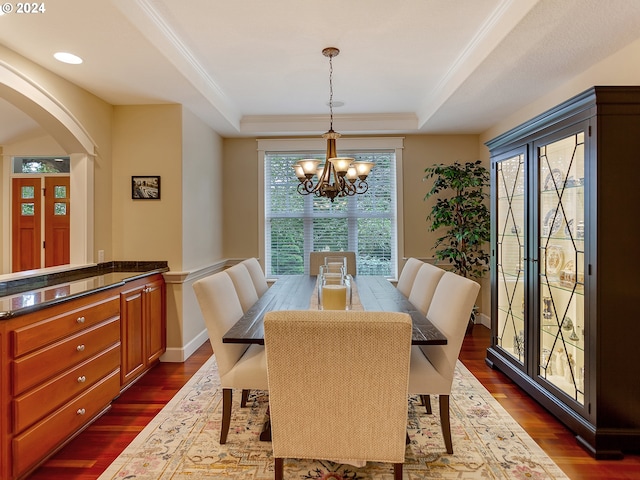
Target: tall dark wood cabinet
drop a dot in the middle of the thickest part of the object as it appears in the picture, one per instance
(565, 271)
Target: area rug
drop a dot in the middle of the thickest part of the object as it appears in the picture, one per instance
(181, 442)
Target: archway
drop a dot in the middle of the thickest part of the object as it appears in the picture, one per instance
(36, 102)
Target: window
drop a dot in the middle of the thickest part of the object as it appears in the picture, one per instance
(295, 225)
(39, 165)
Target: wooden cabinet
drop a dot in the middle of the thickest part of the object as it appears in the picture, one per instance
(564, 268)
(62, 365)
(143, 326)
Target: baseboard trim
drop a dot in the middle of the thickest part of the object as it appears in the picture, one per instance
(179, 355)
(483, 319)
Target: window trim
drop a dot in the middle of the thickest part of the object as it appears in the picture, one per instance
(319, 144)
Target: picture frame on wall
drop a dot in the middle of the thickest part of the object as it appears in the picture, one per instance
(145, 187)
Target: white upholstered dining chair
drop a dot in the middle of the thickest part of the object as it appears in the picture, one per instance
(433, 366)
(239, 366)
(257, 275)
(408, 275)
(424, 286)
(243, 283)
(337, 385)
(317, 258)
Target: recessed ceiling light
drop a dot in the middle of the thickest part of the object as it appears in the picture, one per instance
(67, 58)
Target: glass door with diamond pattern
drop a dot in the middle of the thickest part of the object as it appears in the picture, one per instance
(510, 254)
(561, 227)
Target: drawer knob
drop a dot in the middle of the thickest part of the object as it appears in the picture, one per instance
(80, 320)
(81, 411)
(82, 379)
(80, 348)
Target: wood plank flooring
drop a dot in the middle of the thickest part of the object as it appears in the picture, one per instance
(88, 455)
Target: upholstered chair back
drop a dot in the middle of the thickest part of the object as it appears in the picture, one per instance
(424, 286)
(450, 311)
(221, 309)
(338, 384)
(257, 275)
(408, 275)
(243, 283)
(317, 258)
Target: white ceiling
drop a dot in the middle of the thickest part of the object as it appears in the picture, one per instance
(255, 67)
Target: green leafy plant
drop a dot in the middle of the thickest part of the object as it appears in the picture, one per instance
(460, 208)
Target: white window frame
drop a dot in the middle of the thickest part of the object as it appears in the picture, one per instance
(319, 144)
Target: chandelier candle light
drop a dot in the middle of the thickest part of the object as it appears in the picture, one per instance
(338, 176)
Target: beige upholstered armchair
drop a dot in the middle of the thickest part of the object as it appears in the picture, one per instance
(338, 385)
(239, 367)
(317, 258)
(433, 366)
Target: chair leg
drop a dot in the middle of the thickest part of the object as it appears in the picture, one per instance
(444, 422)
(397, 471)
(278, 470)
(426, 401)
(245, 397)
(227, 397)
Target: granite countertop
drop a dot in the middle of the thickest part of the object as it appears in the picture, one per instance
(26, 295)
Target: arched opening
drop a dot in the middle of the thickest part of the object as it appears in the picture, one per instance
(58, 122)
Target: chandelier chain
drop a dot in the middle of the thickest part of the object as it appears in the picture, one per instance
(331, 91)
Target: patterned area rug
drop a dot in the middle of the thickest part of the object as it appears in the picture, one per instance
(181, 442)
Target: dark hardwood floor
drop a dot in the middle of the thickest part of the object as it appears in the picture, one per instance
(88, 455)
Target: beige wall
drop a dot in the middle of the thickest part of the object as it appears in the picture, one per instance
(240, 196)
(147, 140)
(202, 197)
(621, 68)
(202, 233)
(420, 152)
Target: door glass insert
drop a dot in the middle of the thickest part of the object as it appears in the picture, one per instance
(27, 209)
(59, 208)
(60, 191)
(27, 192)
(561, 227)
(510, 255)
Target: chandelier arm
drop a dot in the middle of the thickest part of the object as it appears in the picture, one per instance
(302, 188)
(361, 187)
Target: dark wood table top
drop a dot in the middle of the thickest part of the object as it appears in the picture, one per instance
(294, 292)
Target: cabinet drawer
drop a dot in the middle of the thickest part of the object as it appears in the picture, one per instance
(39, 441)
(32, 369)
(45, 332)
(40, 401)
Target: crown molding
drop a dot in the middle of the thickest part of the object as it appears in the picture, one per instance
(318, 124)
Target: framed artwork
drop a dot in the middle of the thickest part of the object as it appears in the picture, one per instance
(145, 188)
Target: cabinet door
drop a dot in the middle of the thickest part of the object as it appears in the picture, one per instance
(132, 321)
(509, 253)
(154, 300)
(561, 237)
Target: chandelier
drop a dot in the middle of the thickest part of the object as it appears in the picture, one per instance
(337, 176)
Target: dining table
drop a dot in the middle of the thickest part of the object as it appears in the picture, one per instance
(299, 292)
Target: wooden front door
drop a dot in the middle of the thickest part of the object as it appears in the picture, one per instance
(30, 211)
(26, 218)
(56, 221)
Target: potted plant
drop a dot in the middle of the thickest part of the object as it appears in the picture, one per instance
(461, 209)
